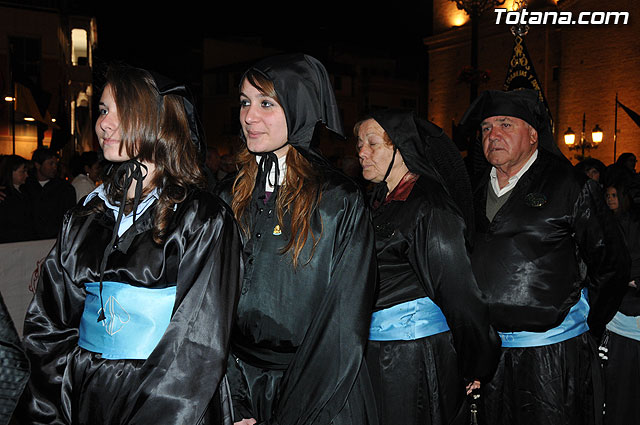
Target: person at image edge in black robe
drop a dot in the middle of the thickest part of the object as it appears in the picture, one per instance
(550, 261)
(167, 305)
(420, 359)
(303, 319)
(14, 369)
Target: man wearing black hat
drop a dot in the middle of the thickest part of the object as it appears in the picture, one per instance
(552, 266)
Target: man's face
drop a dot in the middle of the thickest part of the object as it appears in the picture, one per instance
(631, 163)
(48, 169)
(508, 142)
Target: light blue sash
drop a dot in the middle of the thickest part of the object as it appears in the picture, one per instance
(573, 325)
(408, 321)
(136, 319)
(627, 326)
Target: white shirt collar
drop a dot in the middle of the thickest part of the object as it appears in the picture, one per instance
(127, 219)
(513, 180)
(282, 165)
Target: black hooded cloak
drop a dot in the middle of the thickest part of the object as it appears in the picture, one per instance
(14, 369)
(421, 244)
(300, 334)
(182, 380)
(551, 238)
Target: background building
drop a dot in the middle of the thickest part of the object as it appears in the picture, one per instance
(363, 78)
(581, 69)
(45, 78)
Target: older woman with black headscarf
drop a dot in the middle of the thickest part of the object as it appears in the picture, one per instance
(430, 334)
(303, 316)
(131, 319)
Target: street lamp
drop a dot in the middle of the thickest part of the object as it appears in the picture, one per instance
(475, 8)
(569, 137)
(597, 134)
(583, 144)
(11, 99)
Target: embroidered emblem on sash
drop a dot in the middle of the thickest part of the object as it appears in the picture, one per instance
(116, 315)
(276, 230)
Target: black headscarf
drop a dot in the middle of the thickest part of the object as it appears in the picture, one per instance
(305, 93)
(167, 86)
(429, 152)
(521, 103)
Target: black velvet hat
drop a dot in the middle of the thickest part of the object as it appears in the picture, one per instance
(521, 103)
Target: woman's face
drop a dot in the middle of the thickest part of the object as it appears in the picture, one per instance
(374, 153)
(20, 175)
(263, 122)
(611, 196)
(108, 128)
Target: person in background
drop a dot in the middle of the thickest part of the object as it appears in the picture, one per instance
(625, 166)
(87, 175)
(592, 168)
(211, 167)
(131, 318)
(303, 316)
(622, 338)
(430, 334)
(50, 196)
(16, 211)
(551, 264)
(627, 160)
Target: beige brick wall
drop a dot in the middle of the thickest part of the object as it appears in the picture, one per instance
(592, 63)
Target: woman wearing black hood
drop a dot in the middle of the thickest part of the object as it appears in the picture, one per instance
(131, 319)
(430, 332)
(303, 316)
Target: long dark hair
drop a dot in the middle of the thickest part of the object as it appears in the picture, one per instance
(9, 164)
(154, 128)
(299, 194)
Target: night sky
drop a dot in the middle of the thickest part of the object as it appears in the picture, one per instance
(164, 39)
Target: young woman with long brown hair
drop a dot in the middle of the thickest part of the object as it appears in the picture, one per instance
(131, 319)
(302, 320)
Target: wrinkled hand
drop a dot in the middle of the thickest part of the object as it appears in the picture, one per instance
(249, 421)
(471, 386)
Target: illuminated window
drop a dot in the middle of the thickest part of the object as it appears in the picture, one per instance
(79, 50)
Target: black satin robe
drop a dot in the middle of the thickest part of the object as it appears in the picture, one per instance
(178, 383)
(551, 238)
(530, 260)
(14, 366)
(299, 337)
(622, 367)
(630, 226)
(421, 251)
